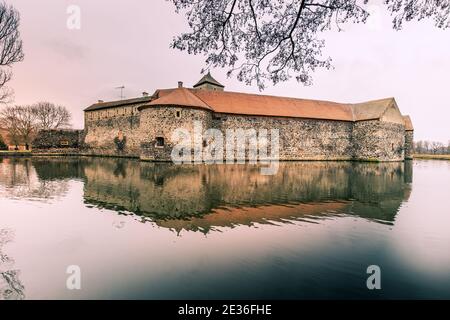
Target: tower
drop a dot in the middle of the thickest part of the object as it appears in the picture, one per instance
(207, 82)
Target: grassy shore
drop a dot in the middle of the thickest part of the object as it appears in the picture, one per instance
(45, 154)
(14, 153)
(432, 156)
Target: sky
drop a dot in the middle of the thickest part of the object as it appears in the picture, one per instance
(126, 42)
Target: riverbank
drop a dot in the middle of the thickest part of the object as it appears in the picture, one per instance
(432, 156)
(58, 154)
(4, 153)
(73, 153)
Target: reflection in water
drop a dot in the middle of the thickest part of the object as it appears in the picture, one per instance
(10, 286)
(315, 227)
(19, 178)
(202, 197)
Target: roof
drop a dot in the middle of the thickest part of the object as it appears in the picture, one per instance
(5, 135)
(118, 103)
(253, 104)
(371, 109)
(207, 78)
(408, 123)
(179, 97)
(264, 105)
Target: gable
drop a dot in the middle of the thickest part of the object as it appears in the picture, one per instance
(392, 114)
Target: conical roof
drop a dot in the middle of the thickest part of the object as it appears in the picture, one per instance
(181, 97)
(207, 78)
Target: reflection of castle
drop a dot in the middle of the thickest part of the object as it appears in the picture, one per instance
(200, 197)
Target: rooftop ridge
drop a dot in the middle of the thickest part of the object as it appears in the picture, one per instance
(208, 78)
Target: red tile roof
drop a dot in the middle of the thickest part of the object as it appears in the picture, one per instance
(179, 97)
(264, 105)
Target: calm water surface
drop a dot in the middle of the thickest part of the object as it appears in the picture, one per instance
(160, 231)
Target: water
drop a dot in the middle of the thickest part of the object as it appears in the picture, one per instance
(160, 231)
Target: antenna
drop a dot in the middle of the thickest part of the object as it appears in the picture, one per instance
(121, 91)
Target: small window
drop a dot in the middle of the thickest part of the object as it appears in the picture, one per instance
(178, 114)
(64, 142)
(159, 142)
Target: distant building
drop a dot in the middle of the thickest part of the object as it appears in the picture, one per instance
(12, 146)
(308, 129)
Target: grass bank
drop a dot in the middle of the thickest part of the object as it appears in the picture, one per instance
(432, 156)
(7, 153)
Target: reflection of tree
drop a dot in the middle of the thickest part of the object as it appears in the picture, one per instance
(10, 286)
(21, 180)
(58, 168)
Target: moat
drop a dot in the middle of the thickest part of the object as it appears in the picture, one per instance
(141, 230)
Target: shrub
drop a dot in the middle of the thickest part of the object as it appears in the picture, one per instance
(3, 145)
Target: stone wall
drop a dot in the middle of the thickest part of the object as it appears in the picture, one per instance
(300, 139)
(105, 136)
(376, 140)
(409, 144)
(57, 139)
(162, 122)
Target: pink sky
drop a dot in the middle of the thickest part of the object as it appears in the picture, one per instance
(126, 42)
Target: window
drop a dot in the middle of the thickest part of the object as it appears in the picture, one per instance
(178, 114)
(159, 142)
(64, 142)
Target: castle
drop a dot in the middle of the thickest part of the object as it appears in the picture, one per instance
(308, 129)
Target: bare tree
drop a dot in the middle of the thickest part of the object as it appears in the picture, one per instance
(11, 48)
(50, 116)
(263, 40)
(436, 147)
(20, 121)
(3, 145)
(431, 147)
(23, 122)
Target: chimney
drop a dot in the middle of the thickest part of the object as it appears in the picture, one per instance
(145, 94)
(100, 101)
(180, 84)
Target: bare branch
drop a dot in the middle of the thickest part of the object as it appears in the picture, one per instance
(275, 40)
(11, 47)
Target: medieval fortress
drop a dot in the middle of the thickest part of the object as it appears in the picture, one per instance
(307, 129)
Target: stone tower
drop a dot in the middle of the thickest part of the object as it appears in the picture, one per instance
(209, 83)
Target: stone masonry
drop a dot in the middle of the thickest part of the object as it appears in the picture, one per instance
(143, 127)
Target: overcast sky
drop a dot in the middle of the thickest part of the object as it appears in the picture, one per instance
(126, 42)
